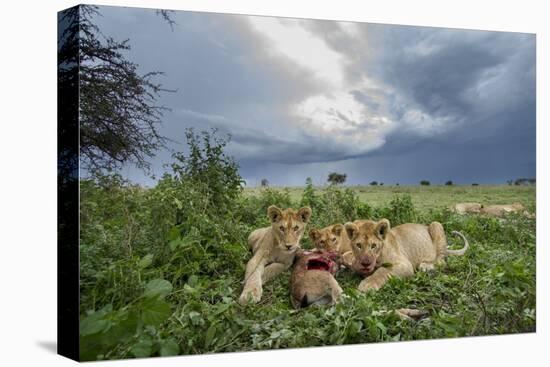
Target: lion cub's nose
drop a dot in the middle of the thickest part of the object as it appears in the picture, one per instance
(288, 247)
(365, 262)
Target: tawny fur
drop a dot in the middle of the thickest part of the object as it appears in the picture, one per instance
(312, 287)
(382, 252)
(502, 210)
(273, 249)
(466, 208)
(498, 211)
(333, 238)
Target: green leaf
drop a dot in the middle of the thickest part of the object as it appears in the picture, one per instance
(381, 326)
(157, 287)
(193, 280)
(124, 327)
(142, 348)
(89, 326)
(195, 318)
(95, 322)
(210, 333)
(189, 289)
(221, 308)
(169, 348)
(174, 244)
(155, 311)
(145, 261)
(173, 234)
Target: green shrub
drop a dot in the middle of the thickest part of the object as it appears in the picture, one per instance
(400, 210)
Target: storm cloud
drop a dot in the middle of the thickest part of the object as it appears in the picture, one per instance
(304, 97)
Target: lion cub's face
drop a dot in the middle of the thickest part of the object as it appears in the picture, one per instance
(329, 238)
(367, 240)
(288, 226)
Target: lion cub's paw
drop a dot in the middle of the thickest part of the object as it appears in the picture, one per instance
(253, 295)
(368, 285)
(426, 267)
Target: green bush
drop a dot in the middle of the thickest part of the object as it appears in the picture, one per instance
(400, 210)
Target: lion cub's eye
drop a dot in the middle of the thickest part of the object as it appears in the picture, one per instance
(282, 228)
(373, 246)
(358, 245)
(296, 228)
(334, 239)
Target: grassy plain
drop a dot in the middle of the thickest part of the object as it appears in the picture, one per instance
(432, 197)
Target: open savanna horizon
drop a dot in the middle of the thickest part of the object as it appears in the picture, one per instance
(426, 197)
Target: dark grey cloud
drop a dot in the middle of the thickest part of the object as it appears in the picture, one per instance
(412, 102)
(456, 72)
(483, 83)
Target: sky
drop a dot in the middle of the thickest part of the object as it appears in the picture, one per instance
(303, 98)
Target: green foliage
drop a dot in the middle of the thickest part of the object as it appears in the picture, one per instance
(161, 269)
(308, 196)
(400, 210)
(208, 169)
(252, 210)
(333, 205)
(134, 325)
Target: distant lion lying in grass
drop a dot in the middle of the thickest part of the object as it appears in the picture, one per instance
(466, 208)
(498, 211)
(273, 249)
(501, 210)
(382, 252)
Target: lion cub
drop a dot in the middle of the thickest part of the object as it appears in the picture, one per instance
(333, 239)
(273, 249)
(381, 252)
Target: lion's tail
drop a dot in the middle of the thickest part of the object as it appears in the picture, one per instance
(462, 251)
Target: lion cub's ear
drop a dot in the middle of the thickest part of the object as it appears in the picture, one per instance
(351, 230)
(382, 228)
(305, 214)
(274, 214)
(337, 229)
(314, 233)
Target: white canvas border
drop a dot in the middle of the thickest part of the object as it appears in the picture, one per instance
(28, 204)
